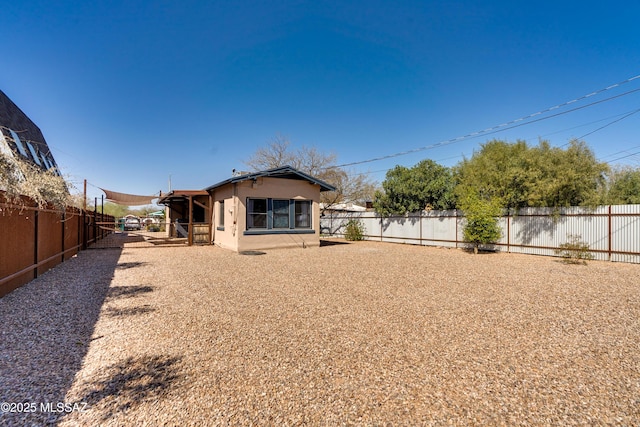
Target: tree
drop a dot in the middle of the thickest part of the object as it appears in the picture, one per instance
(113, 209)
(481, 217)
(623, 186)
(517, 175)
(350, 187)
(426, 185)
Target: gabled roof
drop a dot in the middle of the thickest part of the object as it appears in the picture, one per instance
(285, 172)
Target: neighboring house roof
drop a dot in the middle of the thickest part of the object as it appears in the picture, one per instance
(346, 207)
(23, 138)
(285, 172)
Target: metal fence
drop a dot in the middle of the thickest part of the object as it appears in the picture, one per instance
(34, 240)
(612, 232)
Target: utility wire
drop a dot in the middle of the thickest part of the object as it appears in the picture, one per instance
(509, 125)
(610, 123)
(623, 157)
(627, 115)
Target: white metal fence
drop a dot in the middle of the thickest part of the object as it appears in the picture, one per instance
(612, 232)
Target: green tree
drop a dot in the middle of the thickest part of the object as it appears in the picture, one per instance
(481, 226)
(113, 209)
(624, 186)
(517, 175)
(426, 185)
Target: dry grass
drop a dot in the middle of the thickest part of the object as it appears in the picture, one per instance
(362, 333)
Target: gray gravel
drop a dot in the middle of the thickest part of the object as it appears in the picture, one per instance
(363, 333)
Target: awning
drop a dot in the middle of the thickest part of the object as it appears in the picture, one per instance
(127, 199)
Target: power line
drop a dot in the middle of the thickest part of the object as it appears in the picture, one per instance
(626, 115)
(620, 152)
(511, 124)
(610, 123)
(623, 157)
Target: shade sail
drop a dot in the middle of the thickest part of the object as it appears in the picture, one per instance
(128, 199)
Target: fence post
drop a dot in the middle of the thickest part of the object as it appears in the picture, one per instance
(63, 223)
(36, 211)
(420, 221)
(95, 220)
(85, 230)
(455, 214)
(102, 217)
(609, 235)
(508, 230)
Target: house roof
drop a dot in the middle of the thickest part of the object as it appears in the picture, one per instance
(179, 195)
(285, 172)
(23, 137)
(346, 207)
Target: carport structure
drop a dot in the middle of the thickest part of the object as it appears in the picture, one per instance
(188, 215)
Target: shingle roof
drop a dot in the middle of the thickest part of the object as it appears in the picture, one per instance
(286, 172)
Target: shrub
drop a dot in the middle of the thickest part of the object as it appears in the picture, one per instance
(20, 178)
(575, 251)
(481, 221)
(354, 230)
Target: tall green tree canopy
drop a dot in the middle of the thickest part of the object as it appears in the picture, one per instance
(426, 185)
(624, 186)
(518, 175)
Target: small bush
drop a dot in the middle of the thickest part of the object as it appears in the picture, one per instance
(354, 230)
(481, 216)
(575, 251)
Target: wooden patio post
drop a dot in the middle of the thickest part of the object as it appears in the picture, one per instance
(190, 232)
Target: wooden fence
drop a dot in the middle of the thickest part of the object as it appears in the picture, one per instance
(612, 232)
(34, 240)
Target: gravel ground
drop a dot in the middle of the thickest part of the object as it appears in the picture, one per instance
(348, 334)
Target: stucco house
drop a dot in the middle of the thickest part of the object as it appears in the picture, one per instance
(274, 208)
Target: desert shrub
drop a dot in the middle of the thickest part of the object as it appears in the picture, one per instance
(575, 251)
(481, 221)
(354, 230)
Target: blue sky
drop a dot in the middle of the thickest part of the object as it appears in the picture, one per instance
(128, 93)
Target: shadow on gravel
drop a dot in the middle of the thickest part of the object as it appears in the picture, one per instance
(131, 382)
(332, 242)
(128, 291)
(46, 328)
(127, 265)
(129, 311)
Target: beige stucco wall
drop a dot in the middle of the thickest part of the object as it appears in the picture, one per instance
(233, 236)
(225, 238)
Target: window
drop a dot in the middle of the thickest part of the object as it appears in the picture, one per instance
(46, 161)
(19, 144)
(256, 213)
(303, 213)
(278, 216)
(34, 155)
(221, 215)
